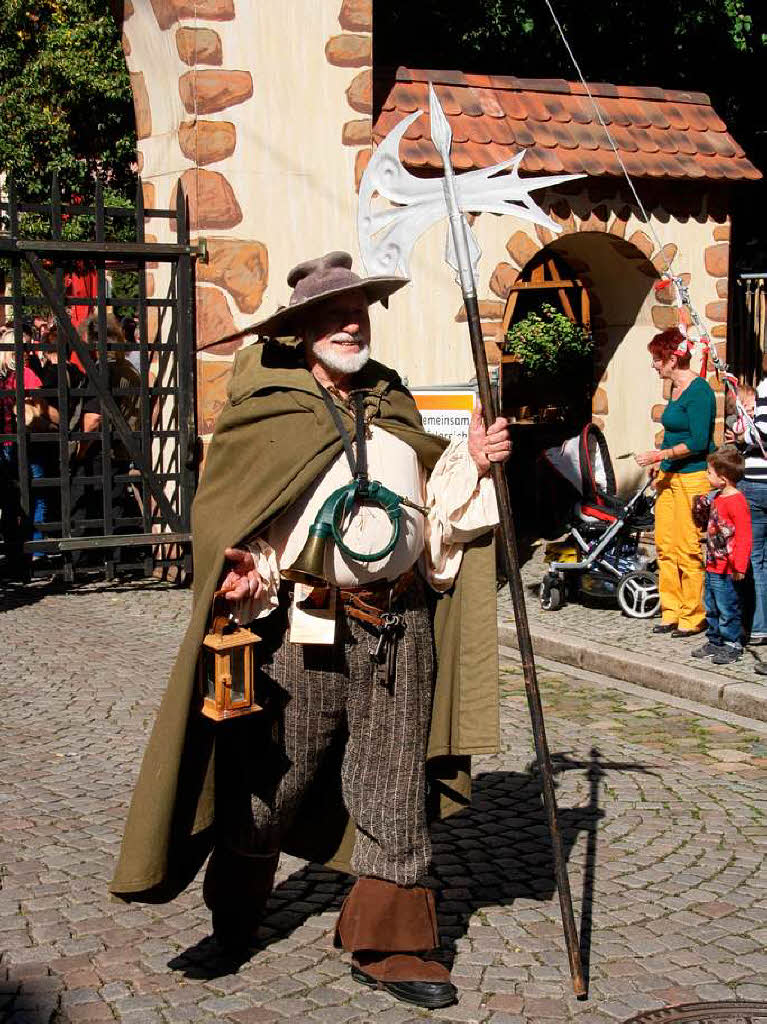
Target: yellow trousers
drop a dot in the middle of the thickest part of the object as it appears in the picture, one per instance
(677, 539)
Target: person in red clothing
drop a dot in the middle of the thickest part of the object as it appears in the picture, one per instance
(725, 516)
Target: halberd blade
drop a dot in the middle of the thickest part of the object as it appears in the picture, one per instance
(388, 233)
(441, 132)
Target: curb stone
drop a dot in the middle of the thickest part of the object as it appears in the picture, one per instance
(716, 691)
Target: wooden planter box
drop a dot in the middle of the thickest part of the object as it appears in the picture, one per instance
(545, 398)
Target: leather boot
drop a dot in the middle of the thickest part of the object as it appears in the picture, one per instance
(235, 889)
(385, 926)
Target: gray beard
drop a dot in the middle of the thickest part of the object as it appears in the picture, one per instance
(338, 363)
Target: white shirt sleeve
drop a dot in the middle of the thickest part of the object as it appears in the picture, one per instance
(461, 507)
(264, 556)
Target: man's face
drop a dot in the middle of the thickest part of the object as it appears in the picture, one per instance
(339, 335)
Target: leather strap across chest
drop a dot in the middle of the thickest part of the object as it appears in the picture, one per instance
(358, 465)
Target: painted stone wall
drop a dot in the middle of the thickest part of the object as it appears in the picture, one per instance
(262, 112)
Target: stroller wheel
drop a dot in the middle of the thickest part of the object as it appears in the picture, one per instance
(638, 595)
(552, 592)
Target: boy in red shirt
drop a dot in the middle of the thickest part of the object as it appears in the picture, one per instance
(726, 519)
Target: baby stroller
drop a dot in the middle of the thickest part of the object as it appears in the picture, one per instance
(601, 556)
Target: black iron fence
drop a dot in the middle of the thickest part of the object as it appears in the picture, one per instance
(97, 436)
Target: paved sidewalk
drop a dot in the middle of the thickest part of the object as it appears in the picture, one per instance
(602, 639)
(662, 811)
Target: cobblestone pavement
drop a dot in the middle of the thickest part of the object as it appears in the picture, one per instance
(604, 623)
(663, 815)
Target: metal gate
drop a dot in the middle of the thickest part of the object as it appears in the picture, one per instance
(116, 497)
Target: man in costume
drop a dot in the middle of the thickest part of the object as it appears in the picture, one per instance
(364, 736)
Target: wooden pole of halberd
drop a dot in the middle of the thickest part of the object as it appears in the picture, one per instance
(511, 557)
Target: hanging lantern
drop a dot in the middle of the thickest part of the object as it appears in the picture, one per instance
(226, 668)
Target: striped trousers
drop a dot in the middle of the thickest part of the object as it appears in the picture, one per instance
(326, 694)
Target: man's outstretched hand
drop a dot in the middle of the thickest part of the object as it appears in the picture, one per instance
(488, 445)
(242, 580)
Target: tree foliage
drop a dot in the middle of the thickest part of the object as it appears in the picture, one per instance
(65, 99)
(633, 41)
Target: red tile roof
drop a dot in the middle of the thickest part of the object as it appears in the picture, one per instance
(659, 133)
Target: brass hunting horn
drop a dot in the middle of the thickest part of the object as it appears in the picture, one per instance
(309, 566)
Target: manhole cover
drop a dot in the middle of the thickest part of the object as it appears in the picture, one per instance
(705, 1013)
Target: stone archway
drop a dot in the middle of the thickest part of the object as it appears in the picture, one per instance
(620, 267)
(625, 312)
(522, 246)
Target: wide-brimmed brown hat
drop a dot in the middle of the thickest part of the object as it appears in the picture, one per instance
(316, 281)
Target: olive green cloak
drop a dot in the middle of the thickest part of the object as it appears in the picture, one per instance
(272, 440)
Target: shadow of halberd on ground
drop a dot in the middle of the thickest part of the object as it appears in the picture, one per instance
(491, 854)
(499, 850)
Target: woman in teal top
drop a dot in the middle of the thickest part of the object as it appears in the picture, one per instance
(689, 420)
(680, 471)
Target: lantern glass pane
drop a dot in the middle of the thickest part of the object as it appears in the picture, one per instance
(237, 662)
(209, 675)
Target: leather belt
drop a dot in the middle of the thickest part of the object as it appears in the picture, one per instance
(369, 602)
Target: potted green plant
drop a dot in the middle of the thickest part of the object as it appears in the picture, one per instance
(552, 360)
